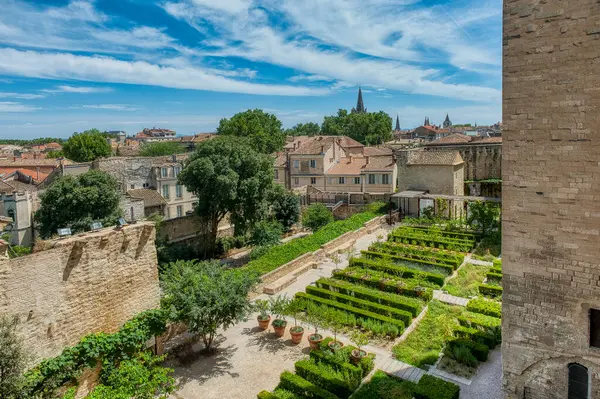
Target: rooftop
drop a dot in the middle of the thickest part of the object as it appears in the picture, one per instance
(459, 138)
(443, 158)
(150, 197)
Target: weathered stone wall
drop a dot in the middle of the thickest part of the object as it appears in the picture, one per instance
(482, 161)
(551, 189)
(80, 285)
(436, 179)
(135, 172)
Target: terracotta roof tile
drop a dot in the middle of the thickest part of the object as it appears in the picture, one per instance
(377, 151)
(37, 176)
(318, 144)
(444, 158)
(358, 165)
(379, 164)
(150, 197)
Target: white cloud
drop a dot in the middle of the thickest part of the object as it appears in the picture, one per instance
(77, 10)
(112, 107)
(16, 107)
(310, 78)
(224, 5)
(103, 69)
(78, 89)
(21, 96)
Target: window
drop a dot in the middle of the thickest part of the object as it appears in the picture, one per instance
(385, 179)
(178, 191)
(133, 186)
(11, 214)
(176, 170)
(165, 191)
(341, 180)
(595, 328)
(371, 179)
(313, 163)
(168, 213)
(296, 181)
(145, 185)
(313, 180)
(164, 172)
(578, 382)
(179, 211)
(357, 180)
(296, 164)
(276, 174)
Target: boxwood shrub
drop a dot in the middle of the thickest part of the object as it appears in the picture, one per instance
(473, 334)
(355, 373)
(322, 376)
(398, 286)
(445, 233)
(366, 363)
(490, 290)
(400, 271)
(266, 395)
(413, 251)
(497, 264)
(492, 276)
(486, 307)
(426, 241)
(430, 387)
(299, 385)
(480, 351)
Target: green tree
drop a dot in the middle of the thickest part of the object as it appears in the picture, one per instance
(266, 233)
(229, 177)
(263, 130)
(13, 358)
(367, 127)
(206, 296)
(55, 154)
(87, 146)
(304, 129)
(161, 148)
(285, 206)
(78, 201)
(316, 216)
(484, 216)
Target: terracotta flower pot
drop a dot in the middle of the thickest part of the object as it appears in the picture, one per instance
(314, 340)
(296, 333)
(263, 324)
(335, 345)
(279, 327)
(356, 355)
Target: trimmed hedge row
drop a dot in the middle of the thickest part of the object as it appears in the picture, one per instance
(398, 270)
(354, 372)
(350, 309)
(431, 242)
(299, 385)
(416, 252)
(475, 335)
(433, 233)
(414, 306)
(324, 378)
(366, 364)
(480, 320)
(446, 233)
(266, 395)
(492, 276)
(490, 290)
(486, 307)
(430, 387)
(383, 310)
(497, 264)
(480, 351)
(446, 269)
(384, 284)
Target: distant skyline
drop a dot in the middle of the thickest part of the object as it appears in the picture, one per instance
(67, 66)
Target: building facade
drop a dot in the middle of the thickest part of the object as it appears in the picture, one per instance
(551, 217)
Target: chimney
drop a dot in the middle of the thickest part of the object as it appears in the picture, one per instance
(367, 158)
(322, 149)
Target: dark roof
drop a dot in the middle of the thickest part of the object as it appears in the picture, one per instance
(150, 197)
(444, 158)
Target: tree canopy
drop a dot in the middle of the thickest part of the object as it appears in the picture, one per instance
(87, 146)
(229, 177)
(367, 127)
(13, 358)
(285, 206)
(263, 130)
(77, 201)
(316, 216)
(161, 148)
(304, 129)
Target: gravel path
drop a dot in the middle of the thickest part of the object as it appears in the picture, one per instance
(487, 384)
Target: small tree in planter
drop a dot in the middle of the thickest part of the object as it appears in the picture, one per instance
(278, 307)
(315, 338)
(263, 318)
(359, 339)
(330, 318)
(337, 260)
(297, 331)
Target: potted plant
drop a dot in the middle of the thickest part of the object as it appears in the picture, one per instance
(263, 318)
(297, 331)
(278, 306)
(335, 326)
(315, 338)
(336, 261)
(360, 340)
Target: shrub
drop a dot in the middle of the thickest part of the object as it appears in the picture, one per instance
(316, 216)
(366, 364)
(430, 387)
(295, 383)
(492, 276)
(426, 241)
(355, 373)
(326, 378)
(490, 290)
(266, 233)
(400, 271)
(384, 386)
(475, 335)
(266, 395)
(258, 252)
(498, 264)
(416, 252)
(480, 351)
(485, 307)
(285, 394)
(462, 354)
(385, 283)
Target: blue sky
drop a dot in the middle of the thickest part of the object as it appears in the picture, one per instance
(67, 66)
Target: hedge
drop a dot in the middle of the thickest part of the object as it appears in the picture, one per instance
(490, 290)
(445, 233)
(431, 242)
(414, 306)
(299, 385)
(356, 311)
(430, 387)
(322, 376)
(413, 251)
(389, 286)
(284, 253)
(446, 269)
(354, 372)
(400, 271)
(494, 276)
(367, 363)
(383, 310)
(473, 334)
(480, 320)
(497, 264)
(285, 394)
(266, 395)
(485, 307)
(436, 234)
(480, 351)
(496, 270)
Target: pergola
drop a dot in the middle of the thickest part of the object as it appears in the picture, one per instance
(405, 198)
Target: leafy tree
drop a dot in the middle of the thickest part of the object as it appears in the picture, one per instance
(161, 148)
(367, 127)
(484, 216)
(206, 296)
(285, 206)
(304, 129)
(13, 358)
(78, 201)
(87, 146)
(266, 233)
(263, 130)
(38, 141)
(55, 154)
(316, 216)
(229, 177)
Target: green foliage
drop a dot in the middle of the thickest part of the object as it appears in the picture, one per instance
(377, 261)
(278, 306)
(29, 143)
(304, 129)
(267, 395)
(281, 254)
(498, 264)
(266, 233)
(462, 354)
(13, 358)
(431, 238)
(228, 177)
(384, 386)
(285, 206)
(488, 324)
(161, 148)
(490, 244)
(206, 296)
(496, 277)
(367, 128)
(87, 146)
(485, 338)
(295, 383)
(386, 282)
(437, 256)
(359, 339)
(479, 351)
(55, 154)
(262, 129)
(430, 387)
(320, 374)
(78, 201)
(14, 251)
(466, 283)
(258, 252)
(284, 394)
(492, 291)
(486, 307)
(316, 216)
(338, 360)
(484, 216)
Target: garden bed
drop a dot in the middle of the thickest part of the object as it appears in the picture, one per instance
(467, 280)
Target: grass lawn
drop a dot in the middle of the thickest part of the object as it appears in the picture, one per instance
(424, 344)
(466, 283)
(384, 386)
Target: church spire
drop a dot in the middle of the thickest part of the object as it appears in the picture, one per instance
(397, 124)
(360, 105)
(447, 122)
